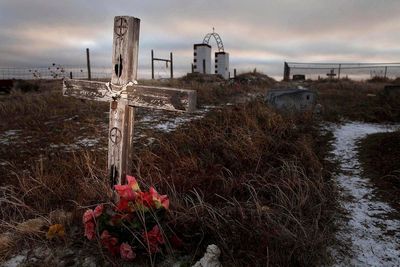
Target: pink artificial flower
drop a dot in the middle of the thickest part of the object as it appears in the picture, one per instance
(98, 210)
(164, 201)
(156, 234)
(105, 235)
(125, 192)
(89, 230)
(88, 216)
(159, 200)
(126, 252)
(128, 191)
(109, 242)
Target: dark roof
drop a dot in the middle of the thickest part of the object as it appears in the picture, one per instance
(288, 91)
(195, 45)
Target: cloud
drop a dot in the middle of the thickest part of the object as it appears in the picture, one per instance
(255, 32)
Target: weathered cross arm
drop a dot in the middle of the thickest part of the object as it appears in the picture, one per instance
(124, 96)
(133, 95)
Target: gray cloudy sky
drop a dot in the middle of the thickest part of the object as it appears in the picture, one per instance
(256, 33)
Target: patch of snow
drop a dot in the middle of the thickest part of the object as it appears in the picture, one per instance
(87, 142)
(168, 124)
(373, 236)
(15, 261)
(9, 136)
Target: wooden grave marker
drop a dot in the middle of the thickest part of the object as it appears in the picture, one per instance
(124, 94)
(331, 74)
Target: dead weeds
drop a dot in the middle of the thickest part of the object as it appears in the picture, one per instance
(244, 177)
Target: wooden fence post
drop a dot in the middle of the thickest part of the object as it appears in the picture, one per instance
(88, 64)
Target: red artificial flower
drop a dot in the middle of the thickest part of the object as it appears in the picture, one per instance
(153, 238)
(109, 242)
(98, 210)
(89, 230)
(88, 216)
(126, 252)
(123, 205)
(145, 199)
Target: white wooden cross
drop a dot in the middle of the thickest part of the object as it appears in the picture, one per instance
(124, 95)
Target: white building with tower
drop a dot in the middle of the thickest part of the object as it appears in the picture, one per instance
(222, 64)
(202, 57)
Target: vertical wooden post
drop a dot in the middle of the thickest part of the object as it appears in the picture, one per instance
(152, 64)
(234, 73)
(70, 74)
(88, 64)
(340, 67)
(125, 61)
(172, 65)
(385, 72)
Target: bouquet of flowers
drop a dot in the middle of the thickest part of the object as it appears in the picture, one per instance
(133, 225)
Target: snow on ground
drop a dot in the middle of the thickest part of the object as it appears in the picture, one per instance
(373, 237)
(167, 124)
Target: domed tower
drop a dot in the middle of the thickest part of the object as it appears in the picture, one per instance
(202, 57)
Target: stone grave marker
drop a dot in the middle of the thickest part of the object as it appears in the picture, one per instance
(124, 94)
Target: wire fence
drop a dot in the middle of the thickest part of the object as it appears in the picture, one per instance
(54, 72)
(355, 71)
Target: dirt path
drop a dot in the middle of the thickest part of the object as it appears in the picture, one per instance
(372, 236)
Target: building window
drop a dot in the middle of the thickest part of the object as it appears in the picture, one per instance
(194, 60)
(308, 97)
(194, 67)
(216, 60)
(216, 71)
(194, 54)
(216, 66)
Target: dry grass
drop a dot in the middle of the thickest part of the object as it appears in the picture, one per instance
(250, 181)
(362, 101)
(379, 155)
(244, 177)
